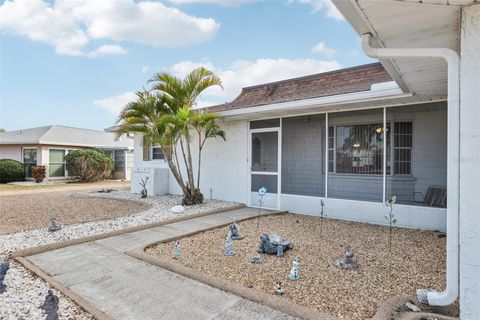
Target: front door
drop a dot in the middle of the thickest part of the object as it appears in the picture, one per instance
(265, 167)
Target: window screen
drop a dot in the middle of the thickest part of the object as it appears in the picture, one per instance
(56, 166)
(261, 124)
(157, 153)
(29, 160)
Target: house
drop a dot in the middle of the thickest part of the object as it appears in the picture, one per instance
(406, 126)
(48, 146)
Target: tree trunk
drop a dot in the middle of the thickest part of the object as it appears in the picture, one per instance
(191, 181)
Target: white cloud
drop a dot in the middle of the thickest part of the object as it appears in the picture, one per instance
(321, 48)
(70, 26)
(322, 5)
(247, 73)
(116, 103)
(223, 3)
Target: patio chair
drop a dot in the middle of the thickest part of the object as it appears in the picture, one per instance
(435, 197)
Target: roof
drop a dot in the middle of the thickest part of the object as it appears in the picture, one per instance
(349, 80)
(66, 136)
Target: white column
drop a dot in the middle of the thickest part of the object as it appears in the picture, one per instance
(326, 155)
(384, 169)
(470, 163)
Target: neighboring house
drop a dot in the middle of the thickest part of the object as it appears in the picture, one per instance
(48, 146)
(355, 137)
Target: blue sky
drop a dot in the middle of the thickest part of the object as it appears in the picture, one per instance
(77, 62)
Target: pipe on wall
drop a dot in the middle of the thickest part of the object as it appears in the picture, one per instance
(450, 294)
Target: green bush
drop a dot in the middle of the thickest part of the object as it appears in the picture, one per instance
(11, 170)
(89, 165)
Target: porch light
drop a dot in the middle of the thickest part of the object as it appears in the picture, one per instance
(378, 130)
(356, 145)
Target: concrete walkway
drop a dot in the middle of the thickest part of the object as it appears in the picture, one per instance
(126, 288)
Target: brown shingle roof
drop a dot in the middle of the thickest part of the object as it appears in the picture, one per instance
(341, 81)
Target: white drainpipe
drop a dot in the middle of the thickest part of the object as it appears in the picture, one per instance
(450, 294)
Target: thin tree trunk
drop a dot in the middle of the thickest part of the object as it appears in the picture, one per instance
(175, 173)
(190, 164)
(200, 145)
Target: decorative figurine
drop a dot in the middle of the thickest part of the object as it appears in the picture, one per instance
(256, 259)
(143, 183)
(347, 261)
(270, 244)
(3, 272)
(229, 251)
(55, 226)
(261, 192)
(278, 289)
(50, 306)
(234, 231)
(294, 272)
(177, 250)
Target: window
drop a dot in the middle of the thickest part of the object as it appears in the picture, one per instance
(359, 149)
(56, 165)
(119, 160)
(403, 147)
(157, 153)
(261, 124)
(331, 149)
(29, 160)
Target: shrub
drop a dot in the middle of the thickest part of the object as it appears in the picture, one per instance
(89, 165)
(11, 170)
(39, 172)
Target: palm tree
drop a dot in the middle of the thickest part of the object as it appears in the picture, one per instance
(164, 115)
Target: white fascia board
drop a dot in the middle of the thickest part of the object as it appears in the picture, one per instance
(322, 101)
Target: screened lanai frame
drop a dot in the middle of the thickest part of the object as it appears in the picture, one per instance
(326, 155)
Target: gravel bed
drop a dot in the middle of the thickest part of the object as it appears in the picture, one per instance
(417, 261)
(26, 292)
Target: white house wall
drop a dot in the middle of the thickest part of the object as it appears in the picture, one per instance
(470, 164)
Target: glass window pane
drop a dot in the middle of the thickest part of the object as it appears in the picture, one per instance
(157, 153)
(265, 151)
(30, 155)
(57, 156)
(56, 170)
(269, 123)
(262, 180)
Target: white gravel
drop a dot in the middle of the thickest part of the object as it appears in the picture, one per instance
(26, 292)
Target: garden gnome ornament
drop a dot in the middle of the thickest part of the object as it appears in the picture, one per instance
(295, 272)
(177, 249)
(234, 231)
(278, 289)
(3, 272)
(50, 306)
(54, 225)
(229, 251)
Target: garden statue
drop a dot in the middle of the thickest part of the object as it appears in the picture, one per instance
(50, 306)
(55, 226)
(234, 231)
(3, 272)
(295, 272)
(390, 216)
(177, 249)
(256, 259)
(270, 244)
(278, 289)
(347, 261)
(143, 183)
(229, 251)
(279, 251)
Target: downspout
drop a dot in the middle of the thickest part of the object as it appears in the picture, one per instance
(450, 294)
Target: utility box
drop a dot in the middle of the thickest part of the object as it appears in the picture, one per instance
(157, 183)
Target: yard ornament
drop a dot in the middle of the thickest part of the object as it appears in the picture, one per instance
(269, 244)
(256, 259)
(177, 249)
(295, 272)
(261, 192)
(229, 250)
(347, 261)
(54, 225)
(50, 306)
(144, 191)
(278, 289)
(234, 231)
(390, 216)
(3, 272)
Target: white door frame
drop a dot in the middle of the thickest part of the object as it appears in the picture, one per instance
(278, 130)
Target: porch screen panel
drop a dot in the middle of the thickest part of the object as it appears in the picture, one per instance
(303, 155)
(29, 160)
(355, 145)
(265, 152)
(419, 154)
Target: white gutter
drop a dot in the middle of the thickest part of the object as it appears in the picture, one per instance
(371, 95)
(450, 294)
